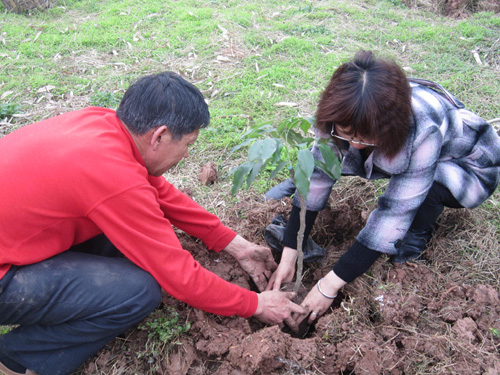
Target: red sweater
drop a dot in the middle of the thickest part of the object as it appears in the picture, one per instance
(69, 178)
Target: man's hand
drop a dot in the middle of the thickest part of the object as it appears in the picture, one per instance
(285, 271)
(276, 308)
(255, 259)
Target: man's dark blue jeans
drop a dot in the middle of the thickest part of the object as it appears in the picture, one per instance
(71, 305)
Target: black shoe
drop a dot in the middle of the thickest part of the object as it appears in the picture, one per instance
(274, 232)
(313, 252)
(412, 246)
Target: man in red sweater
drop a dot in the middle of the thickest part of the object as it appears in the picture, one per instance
(81, 189)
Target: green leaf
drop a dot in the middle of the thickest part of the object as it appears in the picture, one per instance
(269, 146)
(321, 165)
(254, 172)
(328, 154)
(306, 142)
(292, 137)
(254, 132)
(303, 171)
(277, 153)
(305, 125)
(302, 182)
(254, 151)
(8, 109)
(288, 131)
(337, 171)
(287, 124)
(241, 145)
(278, 169)
(331, 165)
(262, 149)
(306, 161)
(311, 120)
(239, 176)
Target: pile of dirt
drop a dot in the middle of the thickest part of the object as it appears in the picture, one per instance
(455, 8)
(396, 319)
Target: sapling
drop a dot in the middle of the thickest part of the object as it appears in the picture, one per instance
(287, 146)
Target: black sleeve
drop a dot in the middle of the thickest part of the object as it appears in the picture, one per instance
(293, 225)
(355, 262)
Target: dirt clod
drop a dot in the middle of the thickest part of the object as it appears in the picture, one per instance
(208, 174)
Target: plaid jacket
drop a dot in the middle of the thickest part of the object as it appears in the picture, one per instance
(447, 144)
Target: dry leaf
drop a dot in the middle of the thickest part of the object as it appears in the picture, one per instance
(285, 104)
(5, 94)
(477, 58)
(47, 88)
(224, 31)
(223, 58)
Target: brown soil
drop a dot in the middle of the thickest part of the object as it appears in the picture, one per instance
(456, 8)
(208, 174)
(419, 318)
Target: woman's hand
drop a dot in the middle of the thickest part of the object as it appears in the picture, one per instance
(316, 303)
(285, 271)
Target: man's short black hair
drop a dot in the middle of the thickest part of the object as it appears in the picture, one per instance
(163, 99)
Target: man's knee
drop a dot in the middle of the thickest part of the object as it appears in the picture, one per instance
(134, 306)
(133, 294)
(150, 297)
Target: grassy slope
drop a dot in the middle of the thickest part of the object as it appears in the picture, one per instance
(245, 57)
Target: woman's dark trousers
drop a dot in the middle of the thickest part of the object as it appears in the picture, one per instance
(424, 223)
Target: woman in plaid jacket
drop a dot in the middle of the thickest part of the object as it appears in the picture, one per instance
(434, 152)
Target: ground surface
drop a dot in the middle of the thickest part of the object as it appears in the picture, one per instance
(429, 317)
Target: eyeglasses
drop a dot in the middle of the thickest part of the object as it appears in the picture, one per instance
(350, 140)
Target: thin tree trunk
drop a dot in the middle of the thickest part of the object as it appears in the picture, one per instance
(300, 239)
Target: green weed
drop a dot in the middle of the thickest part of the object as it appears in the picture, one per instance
(105, 99)
(4, 329)
(306, 30)
(165, 325)
(495, 332)
(8, 109)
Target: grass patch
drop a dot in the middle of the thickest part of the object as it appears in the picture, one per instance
(8, 109)
(165, 325)
(5, 329)
(105, 99)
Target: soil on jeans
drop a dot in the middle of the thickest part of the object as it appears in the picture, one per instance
(416, 318)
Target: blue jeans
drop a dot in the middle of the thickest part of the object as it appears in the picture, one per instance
(70, 306)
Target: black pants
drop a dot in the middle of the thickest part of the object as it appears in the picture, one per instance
(69, 306)
(433, 205)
